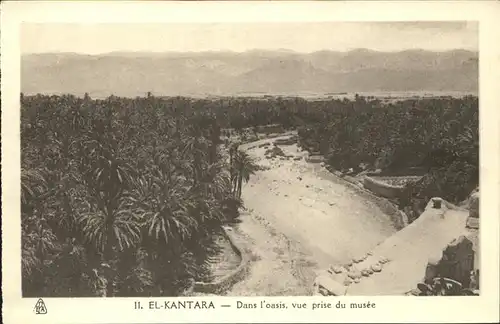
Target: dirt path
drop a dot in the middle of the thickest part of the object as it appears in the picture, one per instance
(298, 224)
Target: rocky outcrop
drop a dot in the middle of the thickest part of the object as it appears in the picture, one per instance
(452, 273)
(456, 262)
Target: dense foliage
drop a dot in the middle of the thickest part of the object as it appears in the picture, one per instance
(121, 197)
(439, 136)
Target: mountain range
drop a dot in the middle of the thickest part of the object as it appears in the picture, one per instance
(269, 72)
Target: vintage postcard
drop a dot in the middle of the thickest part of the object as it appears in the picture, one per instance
(250, 162)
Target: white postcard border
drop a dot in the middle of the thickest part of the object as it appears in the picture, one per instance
(121, 310)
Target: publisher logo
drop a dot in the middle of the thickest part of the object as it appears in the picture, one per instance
(40, 307)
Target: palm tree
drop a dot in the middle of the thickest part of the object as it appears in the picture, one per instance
(196, 146)
(165, 205)
(244, 167)
(233, 150)
(33, 185)
(106, 218)
(214, 140)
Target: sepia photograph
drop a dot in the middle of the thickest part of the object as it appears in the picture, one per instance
(275, 166)
(260, 161)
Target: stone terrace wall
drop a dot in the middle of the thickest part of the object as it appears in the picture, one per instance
(413, 171)
(315, 159)
(398, 217)
(286, 141)
(268, 129)
(381, 188)
(227, 281)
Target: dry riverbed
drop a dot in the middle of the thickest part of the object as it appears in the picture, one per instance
(297, 223)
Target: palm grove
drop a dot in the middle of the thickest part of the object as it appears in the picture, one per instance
(122, 197)
(126, 197)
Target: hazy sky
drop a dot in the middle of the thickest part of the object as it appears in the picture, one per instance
(301, 37)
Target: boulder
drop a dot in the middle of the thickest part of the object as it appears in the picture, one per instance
(333, 287)
(354, 273)
(359, 259)
(322, 291)
(383, 260)
(376, 267)
(337, 269)
(473, 223)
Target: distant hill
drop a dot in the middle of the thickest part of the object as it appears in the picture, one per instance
(256, 71)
